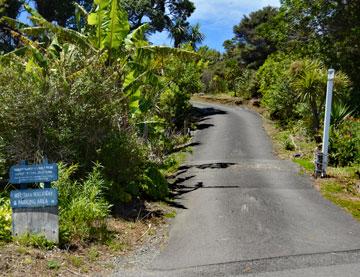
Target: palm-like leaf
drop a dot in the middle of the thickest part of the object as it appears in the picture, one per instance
(62, 33)
(339, 113)
(111, 23)
(137, 38)
(164, 52)
(117, 26)
(96, 19)
(195, 36)
(80, 12)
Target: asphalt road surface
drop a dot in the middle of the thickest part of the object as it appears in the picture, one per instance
(242, 211)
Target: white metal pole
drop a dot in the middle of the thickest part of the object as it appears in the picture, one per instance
(329, 94)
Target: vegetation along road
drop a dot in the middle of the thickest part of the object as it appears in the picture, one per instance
(244, 211)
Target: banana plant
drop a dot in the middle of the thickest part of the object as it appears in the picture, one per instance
(106, 36)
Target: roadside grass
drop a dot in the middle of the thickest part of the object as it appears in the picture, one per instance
(171, 214)
(35, 241)
(34, 255)
(342, 196)
(174, 161)
(342, 187)
(306, 164)
(23, 257)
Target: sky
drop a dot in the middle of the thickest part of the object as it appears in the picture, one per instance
(217, 18)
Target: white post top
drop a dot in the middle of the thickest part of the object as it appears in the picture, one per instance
(331, 74)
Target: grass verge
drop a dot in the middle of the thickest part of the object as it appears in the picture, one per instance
(33, 257)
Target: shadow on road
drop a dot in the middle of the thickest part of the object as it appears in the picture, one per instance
(178, 188)
(204, 112)
(183, 147)
(206, 166)
(203, 126)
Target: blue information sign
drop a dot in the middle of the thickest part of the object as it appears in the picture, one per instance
(36, 173)
(33, 198)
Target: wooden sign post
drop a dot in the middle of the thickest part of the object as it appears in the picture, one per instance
(35, 211)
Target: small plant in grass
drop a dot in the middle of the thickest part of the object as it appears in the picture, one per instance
(21, 250)
(116, 245)
(93, 254)
(53, 264)
(28, 261)
(83, 208)
(76, 261)
(171, 214)
(306, 164)
(5, 219)
(37, 241)
(289, 145)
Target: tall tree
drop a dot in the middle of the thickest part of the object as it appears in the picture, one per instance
(179, 32)
(325, 29)
(196, 36)
(62, 11)
(8, 8)
(249, 42)
(161, 14)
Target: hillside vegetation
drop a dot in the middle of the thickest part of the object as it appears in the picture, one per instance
(98, 99)
(279, 59)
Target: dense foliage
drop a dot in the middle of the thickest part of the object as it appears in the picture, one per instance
(282, 55)
(76, 197)
(171, 16)
(99, 97)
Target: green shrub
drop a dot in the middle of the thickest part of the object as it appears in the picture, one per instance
(154, 184)
(344, 147)
(295, 89)
(37, 241)
(5, 218)
(2, 158)
(82, 205)
(275, 87)
(309, 79)
(175, 105)
(124, 159)
(66, 120)
(73, 100)
(246, 85)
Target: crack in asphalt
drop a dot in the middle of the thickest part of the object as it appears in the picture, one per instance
(271, 264)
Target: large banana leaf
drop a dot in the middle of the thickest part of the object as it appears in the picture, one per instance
(34, 31)
(80, 12)
(117, 26)
(112, 25)
(137, 38)
(13, 23)
(97, 19)
(62, 33)
(164, 52)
